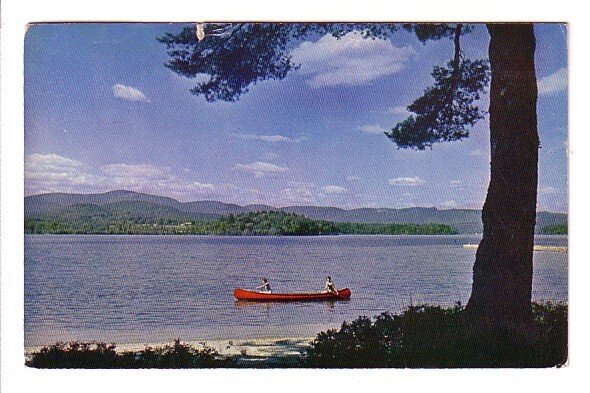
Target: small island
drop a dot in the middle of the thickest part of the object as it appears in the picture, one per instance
(262, 223)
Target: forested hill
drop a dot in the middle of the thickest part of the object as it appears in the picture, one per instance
(145, 208)
(242, 224)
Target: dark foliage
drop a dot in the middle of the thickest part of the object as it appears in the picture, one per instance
(230, 56)
(237, 55)
(434, 337)
(447, 109)
(560, 229)
(75, 355)
(101, 355)
(433, 31)
(243, 224)
(394, 229)
(265, 223)
(420, 337)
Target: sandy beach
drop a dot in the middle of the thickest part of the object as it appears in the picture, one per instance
(248, 351)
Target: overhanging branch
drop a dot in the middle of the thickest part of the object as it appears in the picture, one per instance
(457, 57)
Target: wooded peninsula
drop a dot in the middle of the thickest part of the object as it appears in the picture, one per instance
(265, 223)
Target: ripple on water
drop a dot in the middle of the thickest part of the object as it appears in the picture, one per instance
(146, 287)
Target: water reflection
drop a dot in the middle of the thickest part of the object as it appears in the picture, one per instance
(267, 305)
(330, 304)
(260, 305)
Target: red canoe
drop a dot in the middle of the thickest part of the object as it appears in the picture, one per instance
(244, 294)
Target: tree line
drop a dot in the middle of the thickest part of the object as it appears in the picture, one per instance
(266, 223)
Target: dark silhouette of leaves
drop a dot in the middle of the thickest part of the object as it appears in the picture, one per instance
(237, 55)
(445, 111)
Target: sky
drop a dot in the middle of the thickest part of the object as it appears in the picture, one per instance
(103, 113)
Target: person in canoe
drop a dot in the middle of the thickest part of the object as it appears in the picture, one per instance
(265, 287)
(330, 287)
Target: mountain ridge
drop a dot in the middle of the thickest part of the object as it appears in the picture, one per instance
(52, 204)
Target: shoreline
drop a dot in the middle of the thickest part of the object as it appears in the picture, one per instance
(308, 235)
(246, 351)
(273, 236)
(536, 247)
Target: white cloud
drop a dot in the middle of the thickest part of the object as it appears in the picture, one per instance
(261, 169)
(447, 205)
(187, 190)
(456, 183)
(406, 181)
(349, 61)
(304, 193)
(400, 111)
(53, 173)
(331, 190)
(49, 170)
(268, 138)
(553, 83)
(50, 160)
(372, 129)
(352, 178)
(298, 195)
(129, 93)
(127, 171)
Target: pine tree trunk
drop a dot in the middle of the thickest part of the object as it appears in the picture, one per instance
(503, 270)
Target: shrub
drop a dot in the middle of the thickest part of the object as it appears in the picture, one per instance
(100, 355)
(434, 337)
(75, 354)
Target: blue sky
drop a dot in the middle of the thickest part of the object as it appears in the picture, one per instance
(103, 113)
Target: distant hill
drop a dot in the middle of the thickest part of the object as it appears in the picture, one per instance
(212, 207)
(111, 206)
(146, 208)
(51, 203)
(465, 221)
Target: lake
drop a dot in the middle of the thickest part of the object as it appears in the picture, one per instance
(152, 289)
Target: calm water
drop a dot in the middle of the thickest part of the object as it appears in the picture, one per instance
(134, 289)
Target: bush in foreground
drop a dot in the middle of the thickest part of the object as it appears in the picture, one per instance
(420, 337)
(101, 355)
(434, 337)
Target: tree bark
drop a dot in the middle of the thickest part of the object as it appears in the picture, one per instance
(503, 269)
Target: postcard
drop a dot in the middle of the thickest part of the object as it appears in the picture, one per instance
(295, 195)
